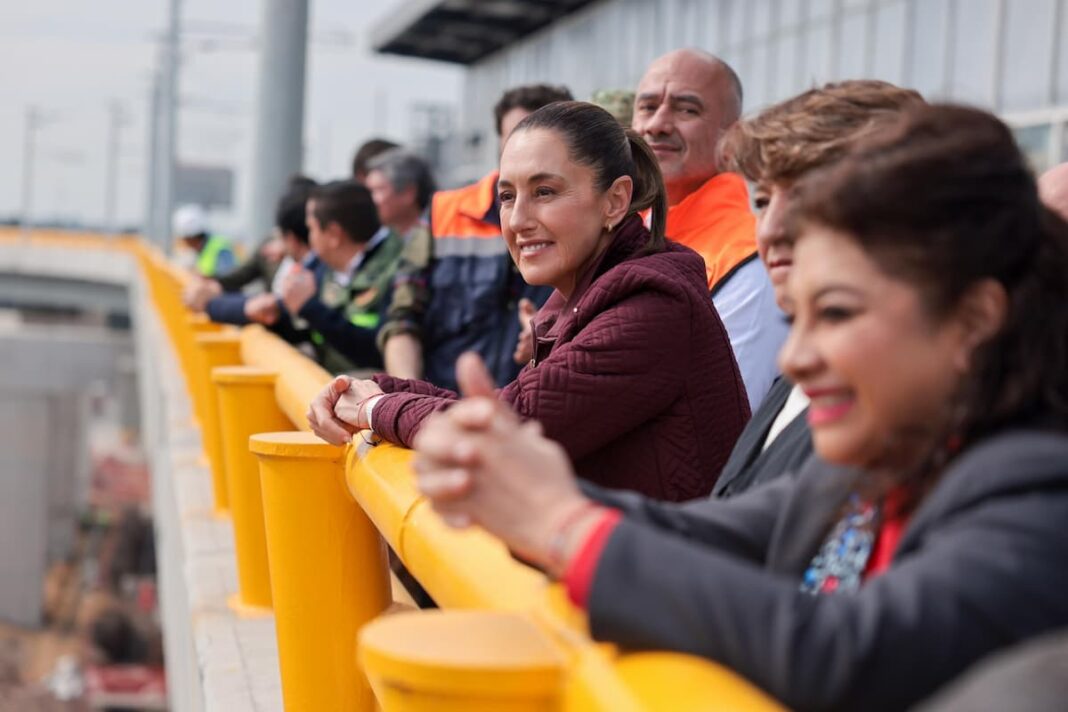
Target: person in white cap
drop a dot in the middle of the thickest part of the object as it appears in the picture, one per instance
(214, 253)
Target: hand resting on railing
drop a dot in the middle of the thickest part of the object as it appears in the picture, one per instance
(339, 411)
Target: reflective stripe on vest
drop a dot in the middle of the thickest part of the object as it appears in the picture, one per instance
(365, 320)
(451, 246)
(208, 258)
(461, 214)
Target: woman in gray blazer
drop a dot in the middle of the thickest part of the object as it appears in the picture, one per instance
(774, 150)
(930, 334)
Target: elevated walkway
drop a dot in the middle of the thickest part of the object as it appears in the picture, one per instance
(274, 585)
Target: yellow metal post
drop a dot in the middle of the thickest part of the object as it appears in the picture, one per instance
(461, 661)
(193, 364)
(328, 571)
(215, 349)
(247, 406)
(302, 378)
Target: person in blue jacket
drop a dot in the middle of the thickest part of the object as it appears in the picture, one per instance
(266, 308)
(930, 333)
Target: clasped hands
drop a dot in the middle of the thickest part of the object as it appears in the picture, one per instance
(199, 291)
(340, 409)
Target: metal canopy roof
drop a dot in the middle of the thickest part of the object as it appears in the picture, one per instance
(465, 31)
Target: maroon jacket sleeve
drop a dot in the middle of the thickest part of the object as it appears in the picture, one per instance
(623, 368)
(401, 411)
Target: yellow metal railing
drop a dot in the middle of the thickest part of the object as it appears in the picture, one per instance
(311, 522)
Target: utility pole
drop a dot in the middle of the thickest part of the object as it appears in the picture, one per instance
(168, 127)
(116, 117)
(30, 128)
(150, 227)
(279, 122)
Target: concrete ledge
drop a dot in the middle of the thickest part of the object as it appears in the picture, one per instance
(217, 660)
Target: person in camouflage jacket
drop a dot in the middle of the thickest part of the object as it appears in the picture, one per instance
(344, 313)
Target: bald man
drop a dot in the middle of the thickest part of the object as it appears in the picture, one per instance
(684, 103)
(1053, 189)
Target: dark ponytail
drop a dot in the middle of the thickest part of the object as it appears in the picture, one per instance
(595, 139)
(649, 190)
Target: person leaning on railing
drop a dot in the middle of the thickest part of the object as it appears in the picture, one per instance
(632, 371)
(266, 308)
(930, 331)
(343, 310)
(774, 150)
(261, 266)
(208, 256)
(460, 290)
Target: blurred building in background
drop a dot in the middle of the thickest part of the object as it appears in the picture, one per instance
(1007, 55)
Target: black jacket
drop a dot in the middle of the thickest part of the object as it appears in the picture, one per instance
(749, 463)
(980, 566)
(229, 308)
(256, 267)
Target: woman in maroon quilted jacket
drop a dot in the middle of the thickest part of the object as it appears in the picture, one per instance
(631, 371)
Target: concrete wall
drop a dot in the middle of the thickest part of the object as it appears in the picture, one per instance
(217, 660)
(23, 505)
(44, 457)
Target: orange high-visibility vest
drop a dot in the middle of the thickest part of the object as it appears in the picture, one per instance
(461, 214)
(715, 221)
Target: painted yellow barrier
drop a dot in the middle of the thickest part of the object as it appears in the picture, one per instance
(215, 348)
(328, 571)
(301, 378)
(471, 570)
(247, 406)
(504, 662)
(485, 661)
(672, 681)
(326, 510)
(467, 569)
(197, 325)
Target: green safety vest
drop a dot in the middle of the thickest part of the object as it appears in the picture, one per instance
(208, 258)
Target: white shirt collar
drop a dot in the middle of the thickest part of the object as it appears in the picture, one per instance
(354, 264)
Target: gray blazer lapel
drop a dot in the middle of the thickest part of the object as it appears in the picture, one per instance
(750, 443)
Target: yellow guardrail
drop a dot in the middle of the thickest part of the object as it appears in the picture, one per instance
(311, 522)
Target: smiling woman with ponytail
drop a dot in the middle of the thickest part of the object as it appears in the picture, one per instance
(630, 370)
(930, 334)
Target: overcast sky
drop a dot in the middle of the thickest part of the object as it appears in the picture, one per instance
(71, 59)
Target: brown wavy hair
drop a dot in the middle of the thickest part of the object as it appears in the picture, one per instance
(810, 130)
(943, 199)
